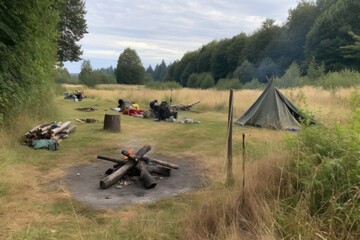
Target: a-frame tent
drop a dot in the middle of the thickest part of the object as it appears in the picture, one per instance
(273, 110)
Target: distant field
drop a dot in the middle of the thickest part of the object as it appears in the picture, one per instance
(327, 106)
(34, 201)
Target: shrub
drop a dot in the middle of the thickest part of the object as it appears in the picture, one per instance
(207, 81)
(291, 77)
(325, 177)
(254, 84)
(344, 78)
(162, 85)
(193, 80)
(224, 84)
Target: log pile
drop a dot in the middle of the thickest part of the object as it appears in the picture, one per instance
(136, 165)
(56, 131)
(183, 107)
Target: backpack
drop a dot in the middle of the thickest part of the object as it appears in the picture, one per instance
(164, 111)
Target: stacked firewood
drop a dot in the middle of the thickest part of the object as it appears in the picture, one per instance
(56, 131)
(136, 165)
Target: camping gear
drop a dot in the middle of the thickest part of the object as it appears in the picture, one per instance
(124, 104)
(273, 110)
(76, 96)
(183, 107)
(45, 144)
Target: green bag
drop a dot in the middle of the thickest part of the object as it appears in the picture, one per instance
(45, 144)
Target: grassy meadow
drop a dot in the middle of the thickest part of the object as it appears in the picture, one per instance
(35, 203)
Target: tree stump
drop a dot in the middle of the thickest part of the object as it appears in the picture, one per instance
(112, 123)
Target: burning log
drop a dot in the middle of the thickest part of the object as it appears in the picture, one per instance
(146, 159)
(136, 165)
(152, 169)
(123, 170)
(148, 180)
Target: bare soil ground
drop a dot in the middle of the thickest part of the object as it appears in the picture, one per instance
(83, 181)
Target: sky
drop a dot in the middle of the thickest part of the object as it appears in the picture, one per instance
(166, 29)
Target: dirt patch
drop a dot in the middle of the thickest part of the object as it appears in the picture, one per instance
(83, 183)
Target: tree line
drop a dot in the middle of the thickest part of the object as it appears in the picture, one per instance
(318, 37)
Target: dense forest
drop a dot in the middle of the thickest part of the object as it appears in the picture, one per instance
(318, 37)
(321, 34)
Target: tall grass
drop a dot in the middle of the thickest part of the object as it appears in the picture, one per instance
(325, 189)
(241, 213)
(328, 106)
(34, 202)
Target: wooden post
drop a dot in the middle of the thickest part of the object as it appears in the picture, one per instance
(229, 181)
(243, 162)
(112, 123)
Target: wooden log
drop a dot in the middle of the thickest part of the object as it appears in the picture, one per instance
(139, 154)
(123, 170)
(119, 161)
(30, 133)
(61, 128)
(57, 138)
(69, 129)
(116, 175)
(112, 123)
(160, 162)
(151, 168)
(159, 170)
(45, 129)
(146, 159)
(147, 179)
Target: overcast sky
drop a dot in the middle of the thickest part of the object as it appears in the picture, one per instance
(164, 30)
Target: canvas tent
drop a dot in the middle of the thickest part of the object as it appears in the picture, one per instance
(273, 110)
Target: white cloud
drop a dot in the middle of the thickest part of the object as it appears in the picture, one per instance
(159, 29)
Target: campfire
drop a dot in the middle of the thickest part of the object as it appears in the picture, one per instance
(136, 165)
